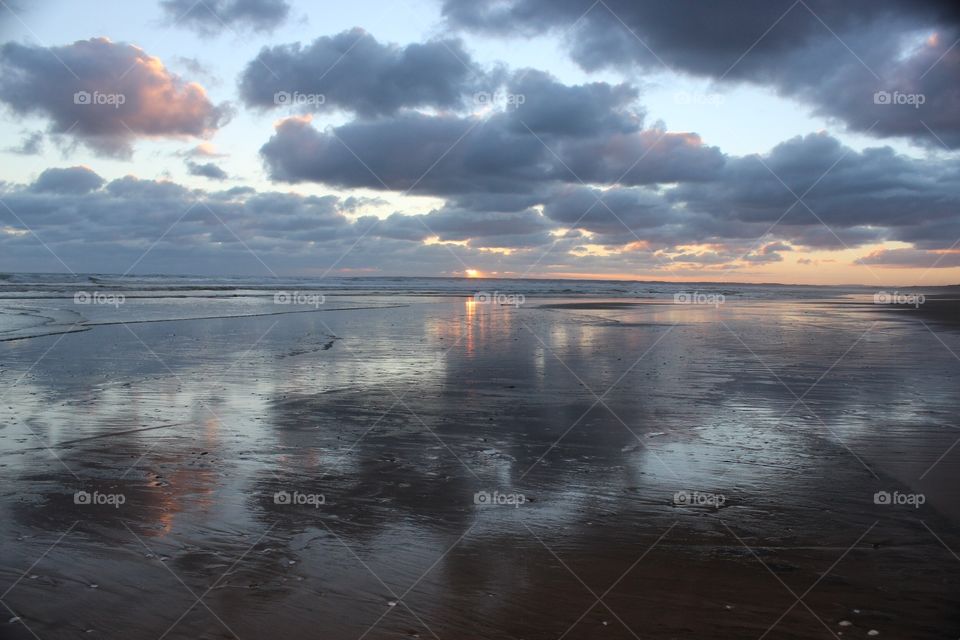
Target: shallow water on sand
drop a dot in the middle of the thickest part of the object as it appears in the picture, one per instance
(434, 467)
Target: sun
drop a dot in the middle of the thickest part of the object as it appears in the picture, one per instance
(473, 273)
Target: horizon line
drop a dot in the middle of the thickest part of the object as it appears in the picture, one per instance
(478, 278)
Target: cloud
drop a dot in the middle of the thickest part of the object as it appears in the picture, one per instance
(30, 145)
(584, 154)
(354, 72)
(196, 69)
(72, 180)
(354, 204)
(451, 155)
(548, 107)
(94, 225)
(204, 150)
(212, 16)
(740, 213)
(486, 228)
(411, 151)
(206, 170)
(104, 94)
(848, 197)
(915, 258)
(833, 55)
(612, 212)
(768, 253)
(161, 226)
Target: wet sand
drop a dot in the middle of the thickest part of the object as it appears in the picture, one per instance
(939, 309)
(317, 474)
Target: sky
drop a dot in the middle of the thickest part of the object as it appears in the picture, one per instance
(795, 141)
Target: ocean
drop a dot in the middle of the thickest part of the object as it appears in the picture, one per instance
(37, 304)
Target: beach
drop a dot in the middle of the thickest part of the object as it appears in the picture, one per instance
(478, 460)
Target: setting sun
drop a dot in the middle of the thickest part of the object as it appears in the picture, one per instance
(473, 273)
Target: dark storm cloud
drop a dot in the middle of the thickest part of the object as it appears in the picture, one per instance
(873, 190)
(211, 16)
(530, 243)
(396, 226)
(834, 55)
(704, 38)
(402, 153)
(866, 197)
(206, 170)
(644, 157)
(904, 88)
(83, 221)
(483, 228)
(934, 234)
(449, 155)
(548, 107)
(163, 226)
(354, 204)
(484, 201)
(834, 237)
(72, 180)
(737, 214)
(355, 72)
(613, 211)
(104, 94)
(464, 224)
(659, 188)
